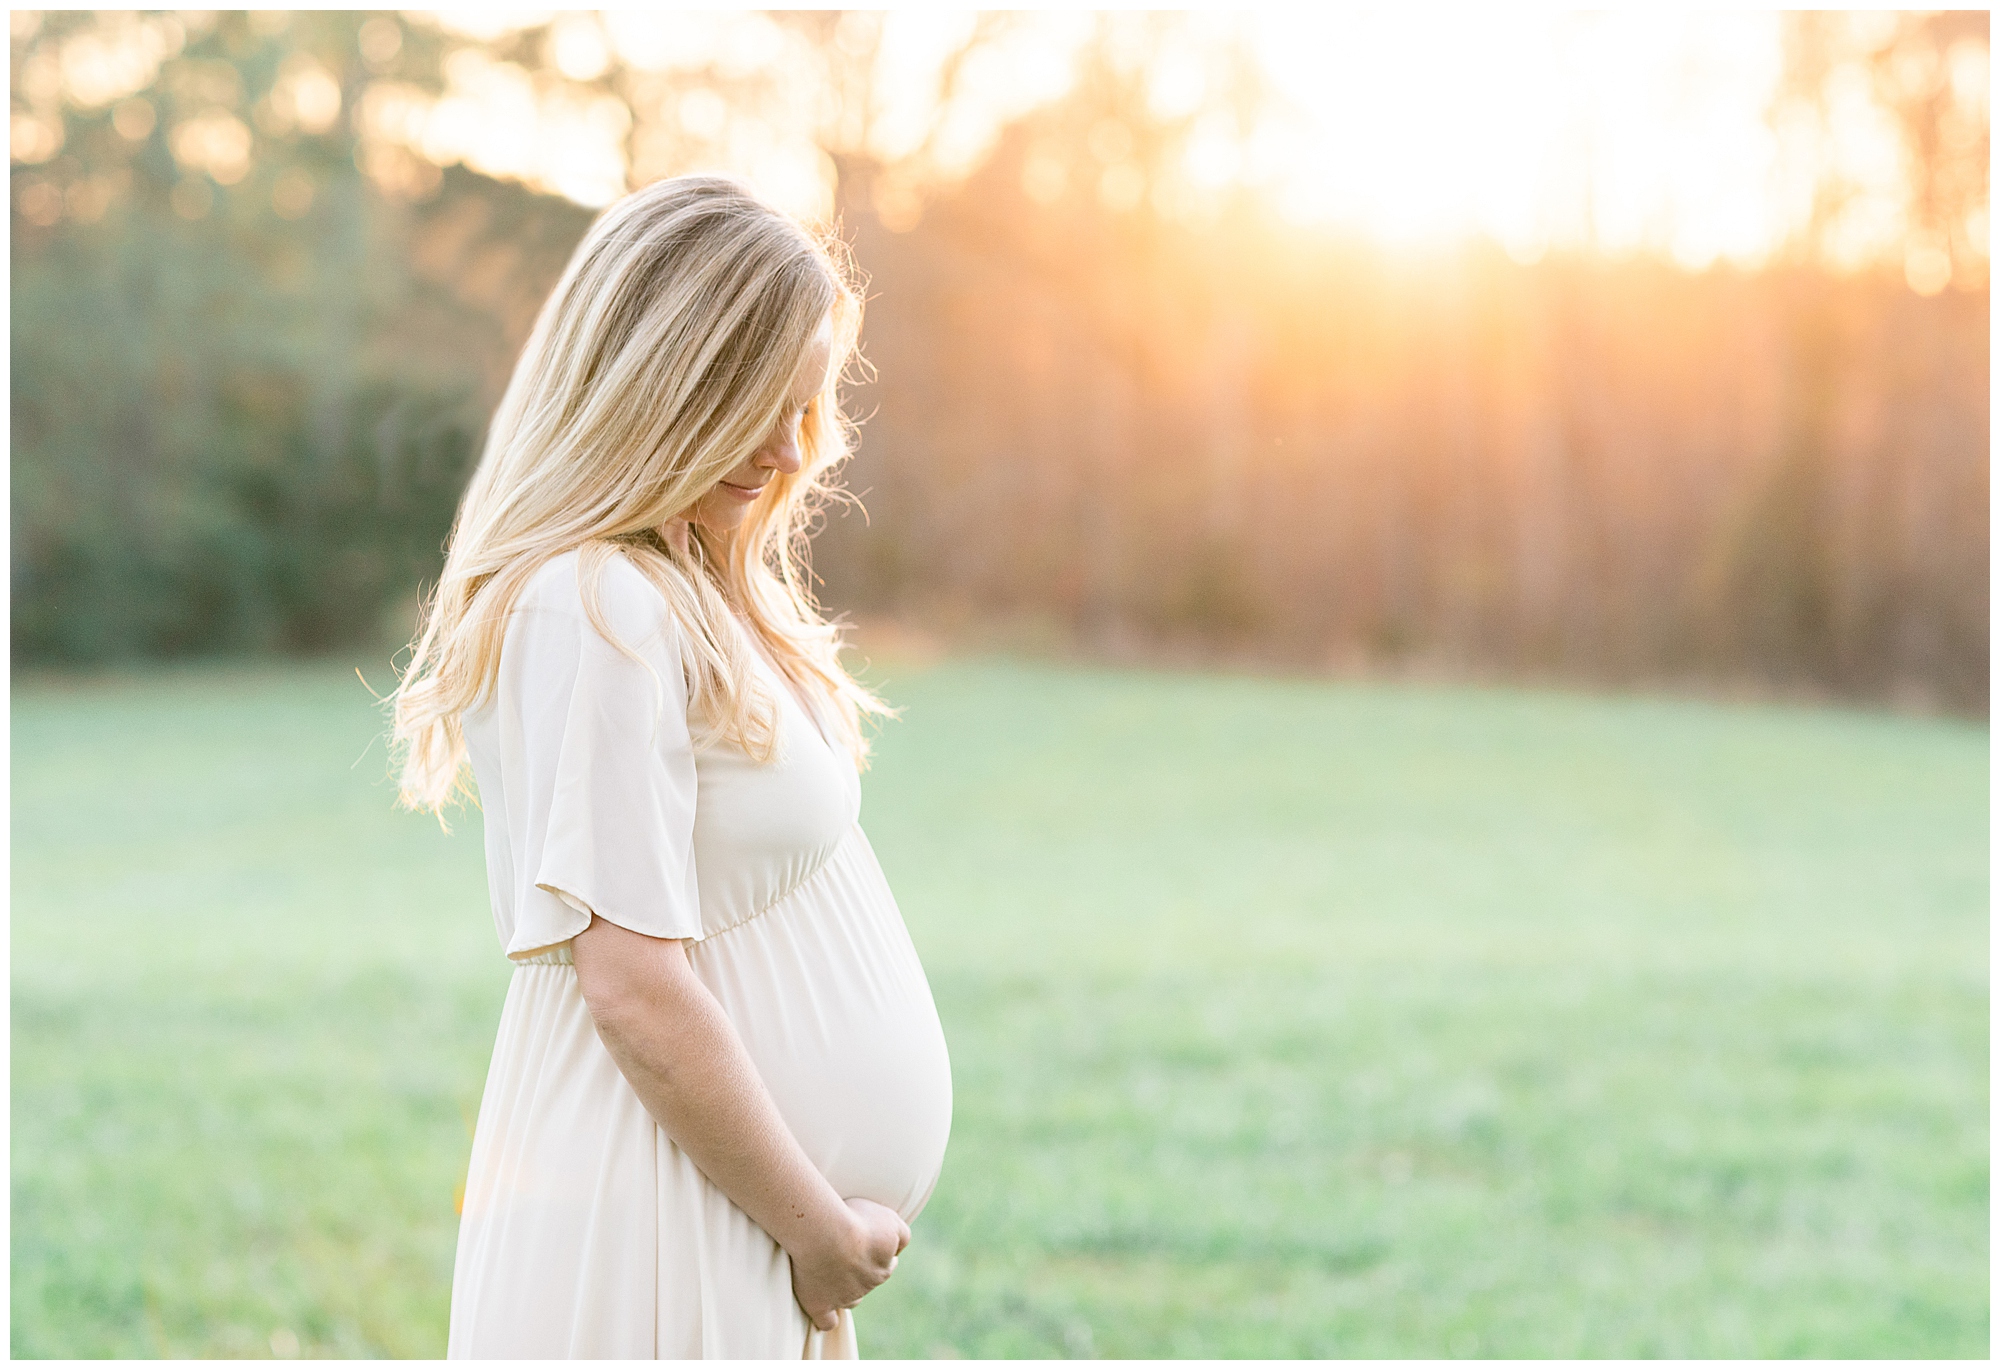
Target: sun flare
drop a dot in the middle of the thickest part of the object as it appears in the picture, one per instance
(1628, 131)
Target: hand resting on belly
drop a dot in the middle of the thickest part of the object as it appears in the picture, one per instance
(685, 1061)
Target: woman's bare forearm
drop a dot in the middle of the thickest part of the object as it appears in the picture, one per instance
(686, 1063)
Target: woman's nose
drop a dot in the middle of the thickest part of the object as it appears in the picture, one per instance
(781, 451)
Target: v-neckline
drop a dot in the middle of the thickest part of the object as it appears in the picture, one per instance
(784, 681)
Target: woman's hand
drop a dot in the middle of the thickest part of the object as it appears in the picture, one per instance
(684, 1060)
(858, 1258)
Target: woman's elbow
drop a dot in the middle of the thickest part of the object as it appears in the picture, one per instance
(613, 1004)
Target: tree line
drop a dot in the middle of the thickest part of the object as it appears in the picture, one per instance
(245, 400)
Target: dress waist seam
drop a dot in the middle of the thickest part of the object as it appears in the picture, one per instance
(561, 955)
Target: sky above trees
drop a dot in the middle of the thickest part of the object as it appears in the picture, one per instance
(1732, 136)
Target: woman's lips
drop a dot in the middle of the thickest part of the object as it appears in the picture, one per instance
(743, 492)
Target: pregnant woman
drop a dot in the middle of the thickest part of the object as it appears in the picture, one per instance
(720, 1091)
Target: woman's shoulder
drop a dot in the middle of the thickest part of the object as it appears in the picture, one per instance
(629, 603)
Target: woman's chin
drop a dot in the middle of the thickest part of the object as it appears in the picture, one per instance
(721, 520)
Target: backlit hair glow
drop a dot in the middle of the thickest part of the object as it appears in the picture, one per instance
(659, 363)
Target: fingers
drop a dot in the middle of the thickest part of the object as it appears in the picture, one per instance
(902, 1235)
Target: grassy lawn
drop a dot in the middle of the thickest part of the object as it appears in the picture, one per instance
(1287, 1019)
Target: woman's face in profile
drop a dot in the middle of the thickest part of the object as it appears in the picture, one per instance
(729, 500)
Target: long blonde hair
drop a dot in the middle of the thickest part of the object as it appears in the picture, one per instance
(660, 362)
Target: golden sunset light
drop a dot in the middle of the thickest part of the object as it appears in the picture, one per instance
(1621, 132)
(1292, 682)
(1626, 131)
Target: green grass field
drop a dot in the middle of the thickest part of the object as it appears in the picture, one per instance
(1287, 1019)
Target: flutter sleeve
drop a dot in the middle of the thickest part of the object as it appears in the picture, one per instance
(607, 762)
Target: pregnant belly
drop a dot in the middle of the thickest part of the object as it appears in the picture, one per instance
(828, 995)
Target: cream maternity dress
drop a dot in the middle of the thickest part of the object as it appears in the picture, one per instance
(586, 1232)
